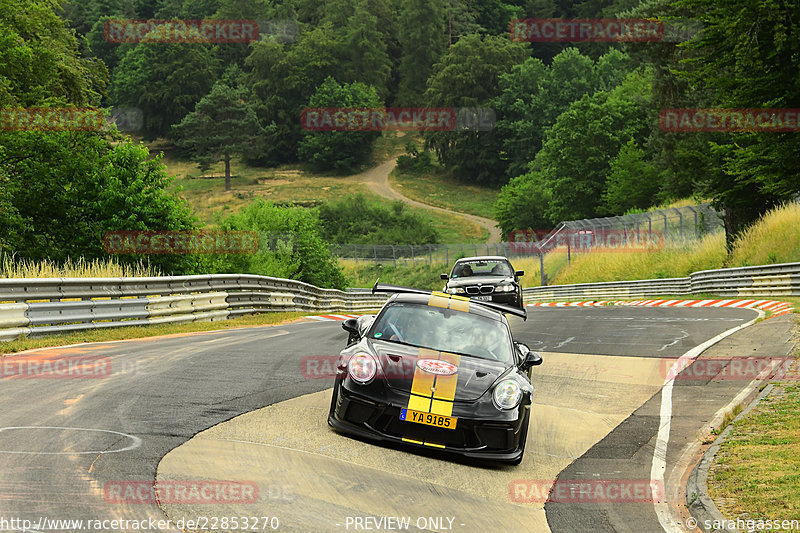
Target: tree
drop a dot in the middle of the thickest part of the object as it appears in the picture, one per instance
(572, 167)
(223, 124)
(747, 58)
(39, 61)
(368, 60)
(534, 95)
(165, 81)
(468, 76)
(291, 245)
(422, 40)
(632, 182)
(341, 151)
(282, 78)
(68, 189)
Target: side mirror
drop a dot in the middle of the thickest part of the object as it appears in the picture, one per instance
(519, 273)
(351, 326)
(529, 358)
(443, 276)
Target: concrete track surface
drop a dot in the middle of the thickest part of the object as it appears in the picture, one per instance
(234, 405)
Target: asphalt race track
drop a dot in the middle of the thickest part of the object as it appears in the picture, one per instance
(65, 442)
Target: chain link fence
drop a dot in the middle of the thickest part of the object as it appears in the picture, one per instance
(634, 232)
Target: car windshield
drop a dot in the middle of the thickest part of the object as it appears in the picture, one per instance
(445, 330)
(482, 268)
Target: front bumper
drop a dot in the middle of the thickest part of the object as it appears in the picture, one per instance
(496, 439)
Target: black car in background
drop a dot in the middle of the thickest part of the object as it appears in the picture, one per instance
(486, 278)
(433, 370)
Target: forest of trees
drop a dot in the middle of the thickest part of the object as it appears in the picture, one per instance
(577, 132)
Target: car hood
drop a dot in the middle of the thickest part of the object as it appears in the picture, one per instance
(474, 280)
(399, 364)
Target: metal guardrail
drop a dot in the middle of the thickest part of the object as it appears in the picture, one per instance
(37, 307)
(756, 281)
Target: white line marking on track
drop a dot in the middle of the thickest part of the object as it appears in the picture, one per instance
(659, 465)
(136, 441)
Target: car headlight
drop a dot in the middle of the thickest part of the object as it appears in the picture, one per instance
(504, 288)
(362, 367)
(456, 290)
(507, 394)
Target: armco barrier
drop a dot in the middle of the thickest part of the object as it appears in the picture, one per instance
(36, 307)
(756, 281)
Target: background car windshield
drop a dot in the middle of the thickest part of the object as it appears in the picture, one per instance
(482, 268)
(445, 330)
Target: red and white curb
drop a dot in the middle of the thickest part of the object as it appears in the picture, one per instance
(777, 308)
(326, 318)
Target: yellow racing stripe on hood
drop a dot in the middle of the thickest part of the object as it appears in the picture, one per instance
(431, 393)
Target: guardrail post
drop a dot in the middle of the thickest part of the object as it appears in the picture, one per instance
(693, 210)
(394, 258)
(680, 222)
(355, 252)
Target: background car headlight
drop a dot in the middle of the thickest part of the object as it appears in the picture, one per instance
(507, 394)
(362, 367)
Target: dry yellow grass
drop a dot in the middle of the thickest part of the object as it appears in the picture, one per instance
(775, 238)
(78, 268)
(670, 262)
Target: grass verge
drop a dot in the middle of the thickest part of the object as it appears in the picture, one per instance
(136, 332)
(438, 190)
(10, 267)
(756, 474)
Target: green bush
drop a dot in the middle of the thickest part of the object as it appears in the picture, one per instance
(290, 246)
(356, 220)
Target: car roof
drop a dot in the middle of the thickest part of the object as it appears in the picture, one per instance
(483, 258)
(473, 307)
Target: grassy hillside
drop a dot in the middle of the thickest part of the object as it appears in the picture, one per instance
(774, 239)
(291, 184)
(435, 189)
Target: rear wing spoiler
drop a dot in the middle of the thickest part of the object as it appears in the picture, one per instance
(383, 287)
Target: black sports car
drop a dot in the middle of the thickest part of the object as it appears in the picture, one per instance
(436, 370)
(488, 278)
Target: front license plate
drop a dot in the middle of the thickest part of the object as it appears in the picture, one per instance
(482, 298)
(429, 419)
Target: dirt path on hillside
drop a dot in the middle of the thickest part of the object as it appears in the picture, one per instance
(377, 178)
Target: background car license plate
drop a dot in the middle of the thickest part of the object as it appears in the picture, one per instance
(483, 298)
(429, 419)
